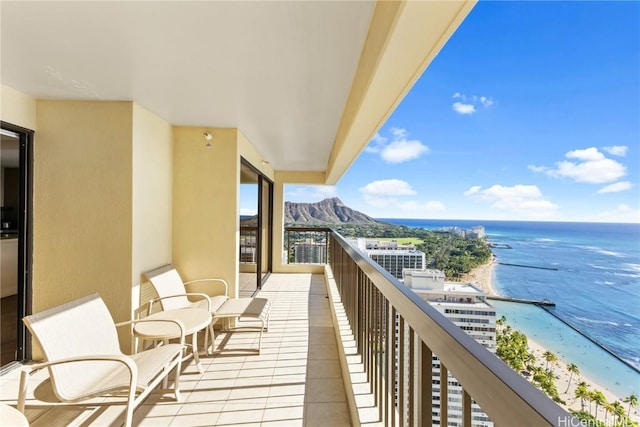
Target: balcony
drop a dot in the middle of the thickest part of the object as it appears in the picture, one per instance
(378, 372)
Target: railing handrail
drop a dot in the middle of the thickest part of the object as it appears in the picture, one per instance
(502, 393)
(320, 229)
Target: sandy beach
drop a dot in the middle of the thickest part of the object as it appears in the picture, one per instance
(562, 383)
(482, 276)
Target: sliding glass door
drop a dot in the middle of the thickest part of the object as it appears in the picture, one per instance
(15, 199)
(256, 213)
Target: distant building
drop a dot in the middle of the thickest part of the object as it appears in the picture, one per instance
(390, 255)
(395, 261)
(373, 244)
(310, 252)
(477, 232)
(466, 306)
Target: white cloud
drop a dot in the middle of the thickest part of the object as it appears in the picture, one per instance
(616, 150)
(487, 102)
(468, 104)
(388, 187)
(523, 200)
(616, 187)
(587, 154)
(375, 145)
(388, 195)
(402, 151)
(399, 149)
(462, 108)
(248, 212)
(621, 213)
(309, 193)
(472, 190)
(590, 166)
(399, 133)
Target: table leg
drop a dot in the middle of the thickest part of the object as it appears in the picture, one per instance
(194, 350)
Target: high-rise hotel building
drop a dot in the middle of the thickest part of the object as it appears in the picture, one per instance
(391, 256)
(466, 306)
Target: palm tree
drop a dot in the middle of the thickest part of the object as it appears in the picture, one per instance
(618, 410)
(608, 409)
(632, 400)
(549, 357)
(572, 368)
(501, 321)
(599, 398)
(581, 392)
(589, 398)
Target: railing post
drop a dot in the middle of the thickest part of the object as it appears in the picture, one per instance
(467, 411)
(425, 386)
(402, 353)
(444, 395)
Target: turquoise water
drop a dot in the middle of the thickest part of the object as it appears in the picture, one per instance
(592, 273)
(593, 361)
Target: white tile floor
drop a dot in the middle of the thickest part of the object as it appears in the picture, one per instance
(294, 381)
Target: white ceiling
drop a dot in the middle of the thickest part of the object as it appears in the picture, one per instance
(278, 71)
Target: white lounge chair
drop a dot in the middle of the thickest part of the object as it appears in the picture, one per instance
(83, 356)
(174, 293)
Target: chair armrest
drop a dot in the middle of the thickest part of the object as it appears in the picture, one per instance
(127, 361)
(224, 282)
(188, 294)
(176, 322)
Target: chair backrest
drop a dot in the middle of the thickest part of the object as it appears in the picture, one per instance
(167, 282)
(83, 327)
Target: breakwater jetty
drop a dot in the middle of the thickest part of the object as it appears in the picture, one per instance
(541, 303)
(499, 246)
(549, 306)
(528, 266)
(596, 342)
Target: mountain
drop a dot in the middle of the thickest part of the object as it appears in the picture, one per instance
(327, 211)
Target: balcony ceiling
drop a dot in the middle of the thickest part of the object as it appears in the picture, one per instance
(281, 72)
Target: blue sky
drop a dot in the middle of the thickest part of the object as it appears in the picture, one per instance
(531, 111)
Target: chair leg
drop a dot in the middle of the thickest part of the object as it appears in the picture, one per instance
(130, 402)
(176, 380)
(24, 376)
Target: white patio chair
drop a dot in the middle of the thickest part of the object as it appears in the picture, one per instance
(174, 293)
(80, 344)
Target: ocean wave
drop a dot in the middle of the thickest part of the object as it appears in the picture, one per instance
(599, 250)
(601, 267)
(635, 267)
(546, 240)
(632, 275)
(596, 321)
(612, 253)
(605, 282)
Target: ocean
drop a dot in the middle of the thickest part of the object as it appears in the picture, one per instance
(592, 273)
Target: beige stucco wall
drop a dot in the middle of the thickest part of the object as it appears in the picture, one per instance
(17, 108)
(205, 199)
(82, 204)
(152, 185)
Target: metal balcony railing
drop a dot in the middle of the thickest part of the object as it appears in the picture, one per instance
(397, 335)
(306, 245)
(248, 236)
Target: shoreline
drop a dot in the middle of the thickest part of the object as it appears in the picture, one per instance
(482, 277)
(562, 383)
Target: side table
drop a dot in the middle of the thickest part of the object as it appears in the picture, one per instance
(193, 319)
